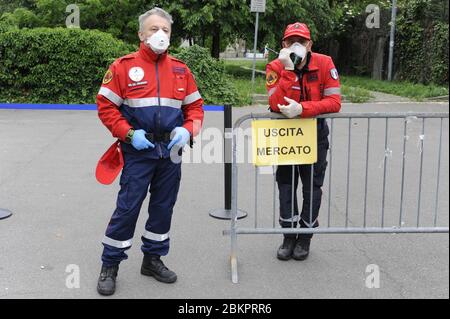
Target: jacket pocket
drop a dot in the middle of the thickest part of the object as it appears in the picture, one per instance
(179, 87)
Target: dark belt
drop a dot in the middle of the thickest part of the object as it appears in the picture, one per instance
(157, 138)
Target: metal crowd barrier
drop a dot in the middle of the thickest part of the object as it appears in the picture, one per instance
(390, 219)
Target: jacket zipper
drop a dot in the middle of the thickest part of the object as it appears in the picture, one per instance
(159, 105)
(302, 88)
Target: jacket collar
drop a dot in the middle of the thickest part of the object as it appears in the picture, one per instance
(312, 64)
(148, 54)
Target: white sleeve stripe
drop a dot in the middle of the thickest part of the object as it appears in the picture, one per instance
(110, 95)
(272, 91)
(191, 98)
(332, 91)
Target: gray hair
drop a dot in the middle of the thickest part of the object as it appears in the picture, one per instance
(155, 11)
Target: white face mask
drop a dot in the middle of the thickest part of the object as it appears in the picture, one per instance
(158, 42)
(299, 50)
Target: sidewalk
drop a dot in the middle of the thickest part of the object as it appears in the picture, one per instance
(378, 97)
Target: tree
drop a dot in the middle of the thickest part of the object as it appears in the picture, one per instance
(116, 17)
(279, 13)
(11, 5)
(220, 20)
(213, 23)
(227, 20)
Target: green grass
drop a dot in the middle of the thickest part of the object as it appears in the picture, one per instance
(406, 89)
(355, 94)
(241, 79)
(260, 64)
(238, 72)
(244, 88)
(355, 89)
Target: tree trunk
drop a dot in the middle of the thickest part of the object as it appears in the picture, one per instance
(203, 39)
(215, 50)
(378, 63)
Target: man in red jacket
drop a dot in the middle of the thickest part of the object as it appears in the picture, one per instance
(301, 83)
(150, 102)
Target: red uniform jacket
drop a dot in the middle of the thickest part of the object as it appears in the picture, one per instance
(152, 92)
(317, 87)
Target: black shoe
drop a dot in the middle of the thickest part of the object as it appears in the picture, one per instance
(153, 266)
(301, 250)
(107, 281)
(286, 248)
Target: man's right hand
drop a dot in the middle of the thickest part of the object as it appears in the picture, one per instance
(140, 142)
(285, 58)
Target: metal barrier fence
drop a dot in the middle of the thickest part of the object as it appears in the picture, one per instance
(388, 218)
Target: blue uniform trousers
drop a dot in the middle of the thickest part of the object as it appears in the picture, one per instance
(140, 175)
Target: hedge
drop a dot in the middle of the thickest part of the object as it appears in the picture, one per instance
(210, 76)
(66, 66)
(422, 53)
(57, 65)
(422, 42)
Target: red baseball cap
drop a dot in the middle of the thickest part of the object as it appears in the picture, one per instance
(298, 29)
(110, 164)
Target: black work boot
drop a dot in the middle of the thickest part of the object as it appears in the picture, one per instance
(301, 250)
(107, 281)
(286, 248)
(153, 266)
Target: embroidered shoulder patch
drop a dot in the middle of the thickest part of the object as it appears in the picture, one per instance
(108, 77)
(271, 78)
(334, 74)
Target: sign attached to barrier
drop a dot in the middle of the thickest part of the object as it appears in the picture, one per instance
(284, 142)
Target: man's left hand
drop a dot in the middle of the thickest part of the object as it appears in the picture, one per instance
(293, 109)
(181, 137)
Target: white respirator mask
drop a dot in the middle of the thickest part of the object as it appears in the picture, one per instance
(158, 42)
(299, 51)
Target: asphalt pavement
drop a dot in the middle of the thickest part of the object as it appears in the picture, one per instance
(60, 213)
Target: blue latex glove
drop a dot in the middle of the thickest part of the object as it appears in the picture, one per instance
(140, 142)
(181, 137)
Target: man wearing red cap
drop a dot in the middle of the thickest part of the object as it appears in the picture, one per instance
(150, 102)
(302, 83)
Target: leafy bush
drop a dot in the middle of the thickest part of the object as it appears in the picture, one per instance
(422, 43)
(55, 65)
(67, 65)
(212, 81)
(439, 54)
(5, 26)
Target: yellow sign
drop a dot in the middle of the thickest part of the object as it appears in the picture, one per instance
(284, 142)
